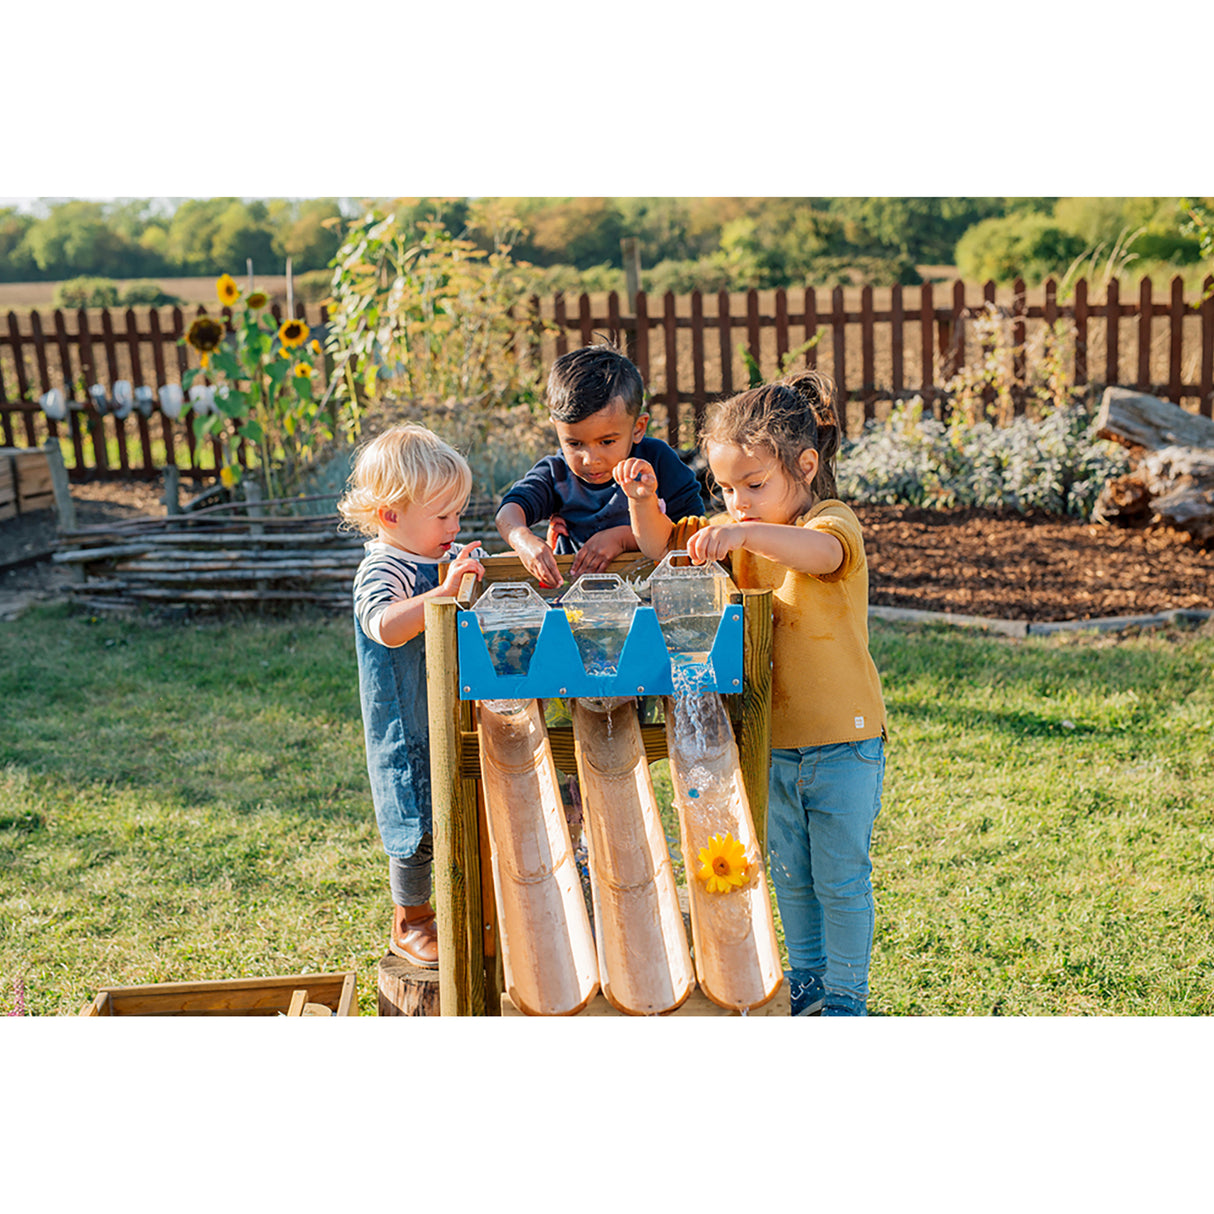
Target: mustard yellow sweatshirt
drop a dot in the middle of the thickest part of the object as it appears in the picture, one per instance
(825, 685)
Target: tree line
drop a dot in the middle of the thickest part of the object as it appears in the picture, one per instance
(575, 243)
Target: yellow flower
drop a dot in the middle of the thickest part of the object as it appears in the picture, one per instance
(226, 289)
(303, 370)
(205, 361)
(573, 614)
(293, 333)
(723, 864)
(227, 476)
(314, 346)
(257, 299)
(204, 334)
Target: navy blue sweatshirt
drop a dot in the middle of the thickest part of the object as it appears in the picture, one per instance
(552, 488)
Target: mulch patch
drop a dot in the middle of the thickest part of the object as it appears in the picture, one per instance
(1011, 566)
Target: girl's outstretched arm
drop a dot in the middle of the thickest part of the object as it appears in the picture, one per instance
(649, 525)
(800, 548)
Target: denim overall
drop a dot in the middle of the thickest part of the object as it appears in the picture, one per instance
(392, 688)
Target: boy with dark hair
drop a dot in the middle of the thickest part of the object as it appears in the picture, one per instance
(596, 401)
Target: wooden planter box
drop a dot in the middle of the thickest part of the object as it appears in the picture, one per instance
(289, 994)
(25, 481)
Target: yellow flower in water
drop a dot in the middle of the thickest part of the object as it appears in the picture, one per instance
(257, 300)
(204, 334)
(226, 289)
(573, 614)
(293, 333)
(303, 370)
(227, 476)
(723, 864)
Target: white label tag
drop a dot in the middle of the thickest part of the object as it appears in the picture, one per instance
(859, 722)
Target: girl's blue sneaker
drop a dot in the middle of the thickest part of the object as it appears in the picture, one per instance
(837, 1004)
(805, 992)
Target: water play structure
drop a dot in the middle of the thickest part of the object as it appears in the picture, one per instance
(515, 935)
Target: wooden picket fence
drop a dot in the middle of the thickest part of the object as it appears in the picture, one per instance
(879, 345)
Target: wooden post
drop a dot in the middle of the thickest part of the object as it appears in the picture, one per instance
(290, 291)
(754, 742)
(172, 489)
(457, 881)
(64, 506)
(630, 247)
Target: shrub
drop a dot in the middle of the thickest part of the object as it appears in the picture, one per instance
(314, 287)
(86, 293)
(550, 279)
(148, 292)
(1031, 247)
(1054, 464)
(420, 313)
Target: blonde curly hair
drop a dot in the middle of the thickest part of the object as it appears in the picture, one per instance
(399, 467)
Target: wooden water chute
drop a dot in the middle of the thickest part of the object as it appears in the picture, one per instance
(472, 977)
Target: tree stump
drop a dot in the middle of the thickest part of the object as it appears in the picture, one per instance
(406, 990)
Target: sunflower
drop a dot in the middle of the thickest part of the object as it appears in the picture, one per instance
(293, 333)
(257, 299)
(723, 864)
(226, 289)
(303, 370)
(205, 334)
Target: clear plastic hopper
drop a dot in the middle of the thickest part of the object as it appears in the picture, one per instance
(600, 607)
(511, 615)
(688, 601)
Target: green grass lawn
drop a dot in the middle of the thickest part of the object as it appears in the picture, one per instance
(189, 801)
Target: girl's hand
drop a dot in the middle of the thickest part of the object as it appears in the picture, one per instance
(461, 565)
(636, 477)
(715, 543)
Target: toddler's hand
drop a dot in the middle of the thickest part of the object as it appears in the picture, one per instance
(636, 477)
(461, 565)
(714, 543)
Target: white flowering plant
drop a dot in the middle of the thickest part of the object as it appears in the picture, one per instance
(1054, 464)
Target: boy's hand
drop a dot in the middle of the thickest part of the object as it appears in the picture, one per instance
(461, 565)
(538, 559)
(636, 477)
(714, 543)
(601, 549)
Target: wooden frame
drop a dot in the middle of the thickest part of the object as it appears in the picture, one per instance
(289, 994)
(470, 971)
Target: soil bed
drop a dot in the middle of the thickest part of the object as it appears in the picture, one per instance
(969, 562)
(1038, 568)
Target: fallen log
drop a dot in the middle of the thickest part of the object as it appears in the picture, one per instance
(1137, 419)
(1172, 481)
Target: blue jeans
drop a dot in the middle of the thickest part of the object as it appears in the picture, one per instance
(823, 803)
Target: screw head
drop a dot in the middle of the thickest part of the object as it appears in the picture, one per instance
(467, 689)
(736, 681)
